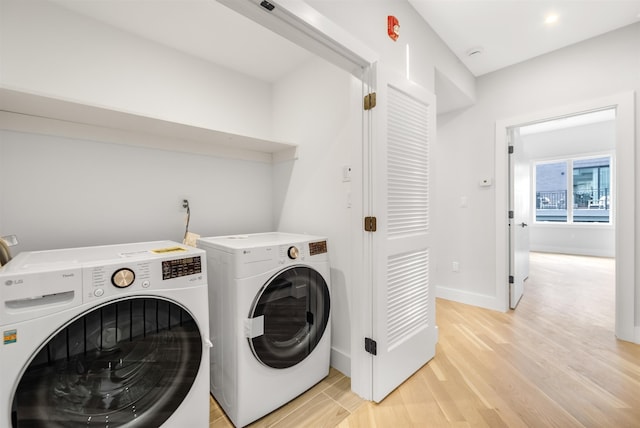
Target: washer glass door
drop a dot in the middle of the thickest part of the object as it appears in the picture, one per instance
(128, 363)
(293, 309)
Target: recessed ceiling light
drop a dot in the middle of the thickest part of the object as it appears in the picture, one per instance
(551, 19)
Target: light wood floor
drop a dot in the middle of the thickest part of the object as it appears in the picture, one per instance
(553, 362)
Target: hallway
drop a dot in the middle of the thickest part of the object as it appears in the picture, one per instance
(553, 362)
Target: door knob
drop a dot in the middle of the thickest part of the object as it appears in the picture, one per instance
(523, 224)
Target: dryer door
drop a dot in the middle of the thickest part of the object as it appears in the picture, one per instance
(128, 363)
(293, 309)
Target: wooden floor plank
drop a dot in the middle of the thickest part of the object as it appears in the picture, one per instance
(321, 411)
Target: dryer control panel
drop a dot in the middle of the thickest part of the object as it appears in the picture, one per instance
(257, 253)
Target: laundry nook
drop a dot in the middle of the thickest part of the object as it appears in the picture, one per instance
(314, 213)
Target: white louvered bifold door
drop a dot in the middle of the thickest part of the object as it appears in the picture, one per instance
(404, 301)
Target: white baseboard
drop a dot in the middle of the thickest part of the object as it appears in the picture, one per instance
(341, 362)
(480, 300)
(577, 251)
(637, 339)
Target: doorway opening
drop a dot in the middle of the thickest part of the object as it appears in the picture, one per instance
(622, 205)
(565, 169)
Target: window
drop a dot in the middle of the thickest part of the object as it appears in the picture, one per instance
(589, 200)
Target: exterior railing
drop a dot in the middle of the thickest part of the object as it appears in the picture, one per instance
(552, 200)
(591, 206)
(557, 199)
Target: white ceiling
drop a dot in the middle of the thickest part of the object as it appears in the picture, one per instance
(512, 31)
(508, 31)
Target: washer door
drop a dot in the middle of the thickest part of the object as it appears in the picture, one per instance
(128, 363)
(293, 308)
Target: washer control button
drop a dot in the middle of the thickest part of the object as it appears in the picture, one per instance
(122, 278)
(145, 284)
(98, 292)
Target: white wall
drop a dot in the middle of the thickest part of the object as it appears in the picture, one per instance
(586, 140)
(49, 50)
(89, 193)
(63, 192)
(59, 192)
(367, 20)
(600, 67)
(318, 107)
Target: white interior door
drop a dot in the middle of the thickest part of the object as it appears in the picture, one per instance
(520, 206)
(403, 315)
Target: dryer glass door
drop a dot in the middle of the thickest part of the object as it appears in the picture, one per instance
(293, 310)
(128, 363)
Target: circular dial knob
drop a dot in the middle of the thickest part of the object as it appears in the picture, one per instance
(123, 278)
(293, 253)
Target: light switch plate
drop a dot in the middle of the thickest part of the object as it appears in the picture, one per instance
(346, 173)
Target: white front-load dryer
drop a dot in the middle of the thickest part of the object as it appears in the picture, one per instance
(109, 336)
(270, 325)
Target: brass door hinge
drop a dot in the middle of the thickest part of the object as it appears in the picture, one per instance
(370, 224)
(370, 101)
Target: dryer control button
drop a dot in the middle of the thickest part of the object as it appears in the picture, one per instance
(98, 292)
(145, 284)
(293, 253)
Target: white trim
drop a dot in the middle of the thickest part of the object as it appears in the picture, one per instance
(481, 300)
(341, 361)
(501, 182)
(298, 22)
(571, 250)
(624, 211)
(573, 226)
(361, 289)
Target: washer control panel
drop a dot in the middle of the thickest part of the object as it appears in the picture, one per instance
(110, 279)
(37, 283)
(181, 267)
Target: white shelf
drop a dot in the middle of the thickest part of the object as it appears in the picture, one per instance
(28, 112)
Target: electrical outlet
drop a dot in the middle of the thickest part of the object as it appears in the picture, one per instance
(455, 266)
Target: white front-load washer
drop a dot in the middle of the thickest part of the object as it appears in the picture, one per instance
(270, 326)
(109, 336)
